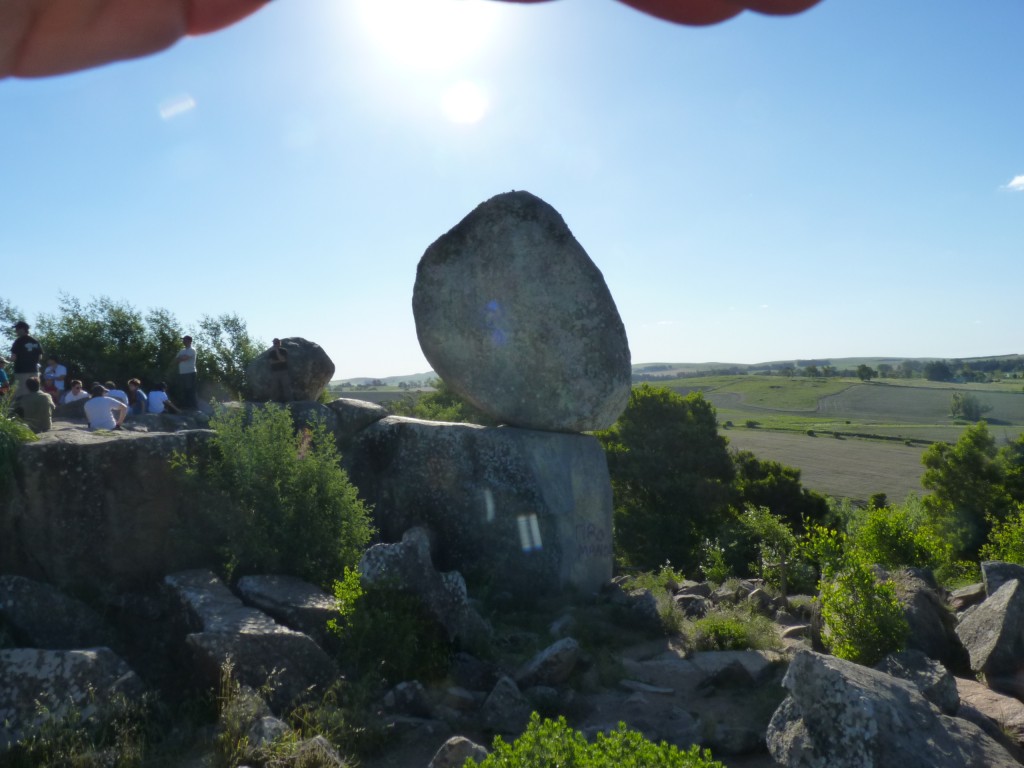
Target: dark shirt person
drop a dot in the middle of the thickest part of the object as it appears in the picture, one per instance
(35, 407)
(26, 353)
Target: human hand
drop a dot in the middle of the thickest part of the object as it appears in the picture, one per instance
(52, 37)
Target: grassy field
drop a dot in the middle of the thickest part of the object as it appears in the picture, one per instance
(883, 426)
(851, 468)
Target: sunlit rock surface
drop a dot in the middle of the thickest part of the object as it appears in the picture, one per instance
(515, 317)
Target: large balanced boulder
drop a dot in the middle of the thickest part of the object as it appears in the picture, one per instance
(515, 317)
(842, 715)
(522, 511)
(309, 370)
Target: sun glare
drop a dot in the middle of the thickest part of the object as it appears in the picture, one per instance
(433, 35)
(464, 102)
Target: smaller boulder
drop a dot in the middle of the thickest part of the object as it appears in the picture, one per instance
(995, 573)
(456, 751)
(309, 371)
(506, 709)
(552, 666)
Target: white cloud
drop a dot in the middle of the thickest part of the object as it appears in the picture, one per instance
(1016, 184)
(176, 105)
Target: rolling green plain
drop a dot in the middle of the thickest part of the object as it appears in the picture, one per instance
(850, 438)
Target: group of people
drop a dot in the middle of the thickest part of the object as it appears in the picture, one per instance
(38, 390)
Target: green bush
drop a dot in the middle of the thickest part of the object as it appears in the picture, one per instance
(388, 634)
(898, 536)
(734, 629)
(864, 621)
(553, 744)
(13, 432)
(287, 505)
(1006, 539)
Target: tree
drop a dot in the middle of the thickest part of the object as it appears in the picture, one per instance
(884, 370)
(224, 350)
(938, 370)
(777, 487)
(968, 489)
(104, 340)
(965, 405)
(671, 474)
(775, 541)
(866, 372)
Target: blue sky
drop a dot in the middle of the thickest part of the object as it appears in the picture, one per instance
(846, 182)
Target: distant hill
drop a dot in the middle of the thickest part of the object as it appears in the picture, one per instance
(660, 370)
(387, 381)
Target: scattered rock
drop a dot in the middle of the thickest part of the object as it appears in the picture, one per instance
(293, 602)
(993, 633)
(261, 652)
(506, 710)
(456, 751)
(995, 573)
(934, 681)
(38, 686)
(408, 567)
(842, 715)
(552, 666)
(965, 597)
(40, 616)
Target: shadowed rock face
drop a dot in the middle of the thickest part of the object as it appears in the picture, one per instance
(526, 509)
(515, 317)
(98, 511)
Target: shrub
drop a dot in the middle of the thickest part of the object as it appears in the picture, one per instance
(751, 424)
(734, 629)
(12, 433)
(288, 505)
(388, 634)
(864, 621)
(550, 743)
(898, 536)
(1006, 539)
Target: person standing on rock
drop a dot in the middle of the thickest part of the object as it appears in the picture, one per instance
(54, 377)
(186, 361)
(26, 353)
(280, 379)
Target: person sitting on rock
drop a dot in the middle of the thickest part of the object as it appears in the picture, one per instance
(159, 402)
(104, 412)
(75, 394)
(117, 394)
(35, 407)
(136, 397)
(280, 380)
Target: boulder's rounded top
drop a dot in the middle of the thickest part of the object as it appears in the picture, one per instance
(512, 313)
